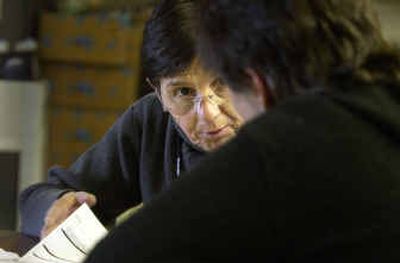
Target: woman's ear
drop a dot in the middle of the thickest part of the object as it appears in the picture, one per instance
(261, 87)
(157, 91)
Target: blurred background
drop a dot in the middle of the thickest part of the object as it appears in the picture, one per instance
(68, 69)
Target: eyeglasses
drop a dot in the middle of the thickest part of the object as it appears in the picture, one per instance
(180, 100)
(183, 103)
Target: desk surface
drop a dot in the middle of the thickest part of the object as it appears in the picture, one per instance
(16, 242)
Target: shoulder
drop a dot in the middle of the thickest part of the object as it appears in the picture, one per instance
(147, 108)
(144, 116)
(149, 104)
(307, 130)
(296, 118)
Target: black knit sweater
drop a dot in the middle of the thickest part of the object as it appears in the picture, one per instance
(316, 179)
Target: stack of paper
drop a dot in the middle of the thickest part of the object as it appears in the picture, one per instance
(71, 241)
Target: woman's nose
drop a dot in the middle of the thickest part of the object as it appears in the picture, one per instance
(208, 108)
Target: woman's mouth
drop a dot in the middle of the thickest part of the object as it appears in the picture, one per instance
(220, 132)
(210, 139)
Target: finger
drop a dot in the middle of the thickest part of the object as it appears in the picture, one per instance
(52, 222)
(62, 208)
(84, 197)
(46, 231)
(59, 211)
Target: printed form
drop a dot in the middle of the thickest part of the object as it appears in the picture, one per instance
(71, 241)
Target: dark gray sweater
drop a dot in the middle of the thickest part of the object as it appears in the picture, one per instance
(134, 161)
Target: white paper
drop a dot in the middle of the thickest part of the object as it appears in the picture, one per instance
(6, 256)
(71, 241)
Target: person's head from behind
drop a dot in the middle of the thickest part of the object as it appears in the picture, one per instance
(197, 99)
(268, 50)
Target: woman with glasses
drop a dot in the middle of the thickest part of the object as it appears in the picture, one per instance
(162, 135)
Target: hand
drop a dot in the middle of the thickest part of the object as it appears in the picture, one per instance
(63, 207)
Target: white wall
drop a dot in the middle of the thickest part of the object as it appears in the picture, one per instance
(23, 127)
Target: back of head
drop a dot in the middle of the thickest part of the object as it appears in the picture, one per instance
(299, 44)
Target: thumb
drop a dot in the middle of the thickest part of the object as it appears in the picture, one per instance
(84, 197)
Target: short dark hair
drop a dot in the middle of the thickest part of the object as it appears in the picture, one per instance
(168, 45)
(299, 44)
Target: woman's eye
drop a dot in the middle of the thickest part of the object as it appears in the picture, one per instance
(185, 92)
(218, 82)
(219, 86)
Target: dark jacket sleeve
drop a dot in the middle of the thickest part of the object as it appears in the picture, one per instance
(109, 169)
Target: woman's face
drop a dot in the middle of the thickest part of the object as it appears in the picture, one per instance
(201, 105)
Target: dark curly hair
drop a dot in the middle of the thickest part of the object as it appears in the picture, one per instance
(299, 44)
